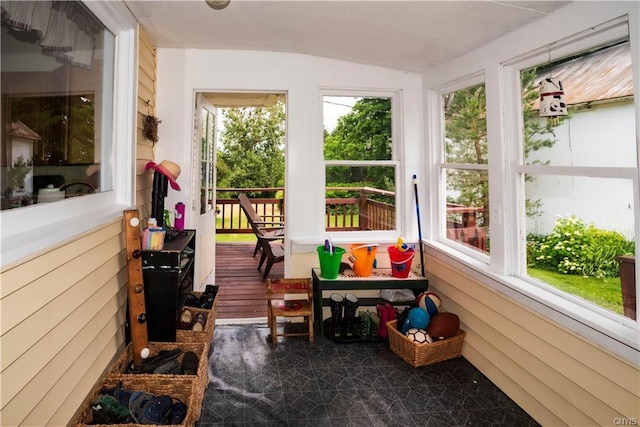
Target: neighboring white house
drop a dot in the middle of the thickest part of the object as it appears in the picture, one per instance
(22, 138)
(603, 116)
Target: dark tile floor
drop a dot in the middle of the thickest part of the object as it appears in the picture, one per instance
(332, 384)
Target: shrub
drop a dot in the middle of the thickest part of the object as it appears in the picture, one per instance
(574, 247)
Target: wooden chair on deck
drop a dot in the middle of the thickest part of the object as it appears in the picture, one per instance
(272, 252)
(266, 232)
(289, 298)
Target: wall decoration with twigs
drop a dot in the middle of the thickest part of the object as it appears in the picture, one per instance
(150, 126)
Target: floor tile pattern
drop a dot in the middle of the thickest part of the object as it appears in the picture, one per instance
(331, 384)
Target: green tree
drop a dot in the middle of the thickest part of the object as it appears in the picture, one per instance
(363, 134)
(538, 133)
(466, 140)
(65, 123)
(251, 152)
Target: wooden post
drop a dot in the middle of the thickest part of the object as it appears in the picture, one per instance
(137, 309)
(628, 284)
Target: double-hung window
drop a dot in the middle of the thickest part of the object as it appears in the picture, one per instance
(361, 166)
(68, 91)
(576, 175)
(463, 168)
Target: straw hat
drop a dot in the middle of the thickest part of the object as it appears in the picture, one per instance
(169, 169)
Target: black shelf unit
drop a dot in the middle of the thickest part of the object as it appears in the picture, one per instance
(168, 279)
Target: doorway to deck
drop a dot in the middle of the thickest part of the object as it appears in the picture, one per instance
(236, 135)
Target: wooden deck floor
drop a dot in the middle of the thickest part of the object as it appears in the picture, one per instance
(242, 291)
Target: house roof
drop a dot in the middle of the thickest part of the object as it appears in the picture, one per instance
(601, 76)
(412, 35)
(20, 130)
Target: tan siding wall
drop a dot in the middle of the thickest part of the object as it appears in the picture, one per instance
(63, 311)
(62, 324)
(147, 71)
(555, 375)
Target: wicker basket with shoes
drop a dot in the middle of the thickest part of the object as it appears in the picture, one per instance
(201, 334)
(168, 360)
(162, 400)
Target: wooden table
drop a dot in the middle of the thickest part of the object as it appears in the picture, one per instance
(380, 278)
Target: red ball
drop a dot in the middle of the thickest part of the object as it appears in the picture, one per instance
(443, 326)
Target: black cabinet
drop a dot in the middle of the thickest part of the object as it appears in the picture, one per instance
(168, 279)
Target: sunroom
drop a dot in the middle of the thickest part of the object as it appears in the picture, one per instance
(563, 359)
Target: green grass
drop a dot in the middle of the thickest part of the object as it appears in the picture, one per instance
(605, 292)
(235, 238)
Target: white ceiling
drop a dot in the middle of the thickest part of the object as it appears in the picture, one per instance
(411, 36)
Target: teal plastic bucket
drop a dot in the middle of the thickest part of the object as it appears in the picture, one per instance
(330, 262)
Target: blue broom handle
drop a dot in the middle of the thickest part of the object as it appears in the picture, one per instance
(415, 190)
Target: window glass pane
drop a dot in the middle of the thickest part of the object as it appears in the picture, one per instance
(576, 227)
(467, 208)
(56, 99)
(360, 198)
(207, 161)
(599, 129)
(357, 128)
(466, 126)
(467, 190)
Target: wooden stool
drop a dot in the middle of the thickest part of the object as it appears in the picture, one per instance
(281, 303)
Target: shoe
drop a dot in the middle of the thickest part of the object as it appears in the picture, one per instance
(350, 307)
(189, 364)
(199, 323)
(170, 367)
(107, 409)
(336, 301)
(186, 319)
(192, 301)
(147, 408)
(178, 413)
(392, 313)
(121, 394)
(383, 332)
(149, 365)
(387, 313)
(209, 296)
(368, 325)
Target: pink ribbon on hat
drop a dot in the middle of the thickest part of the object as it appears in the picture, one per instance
(169, 169)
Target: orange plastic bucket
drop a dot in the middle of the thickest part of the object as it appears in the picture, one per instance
(363, 257)
(400, 261)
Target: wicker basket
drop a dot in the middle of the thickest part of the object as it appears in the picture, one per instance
(179, 388)
(200, 380)
(204, 337)
(424, 354)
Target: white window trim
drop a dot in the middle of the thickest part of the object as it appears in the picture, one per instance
(378, 236)
(439, 154)
(30, 230)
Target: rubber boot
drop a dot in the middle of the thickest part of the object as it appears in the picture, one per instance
(336, 301)
(350, 307)
(383, 332)
(391, 312)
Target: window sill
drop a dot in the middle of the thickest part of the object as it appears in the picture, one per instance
(612, 332)
(30, 230)
(309, 245)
